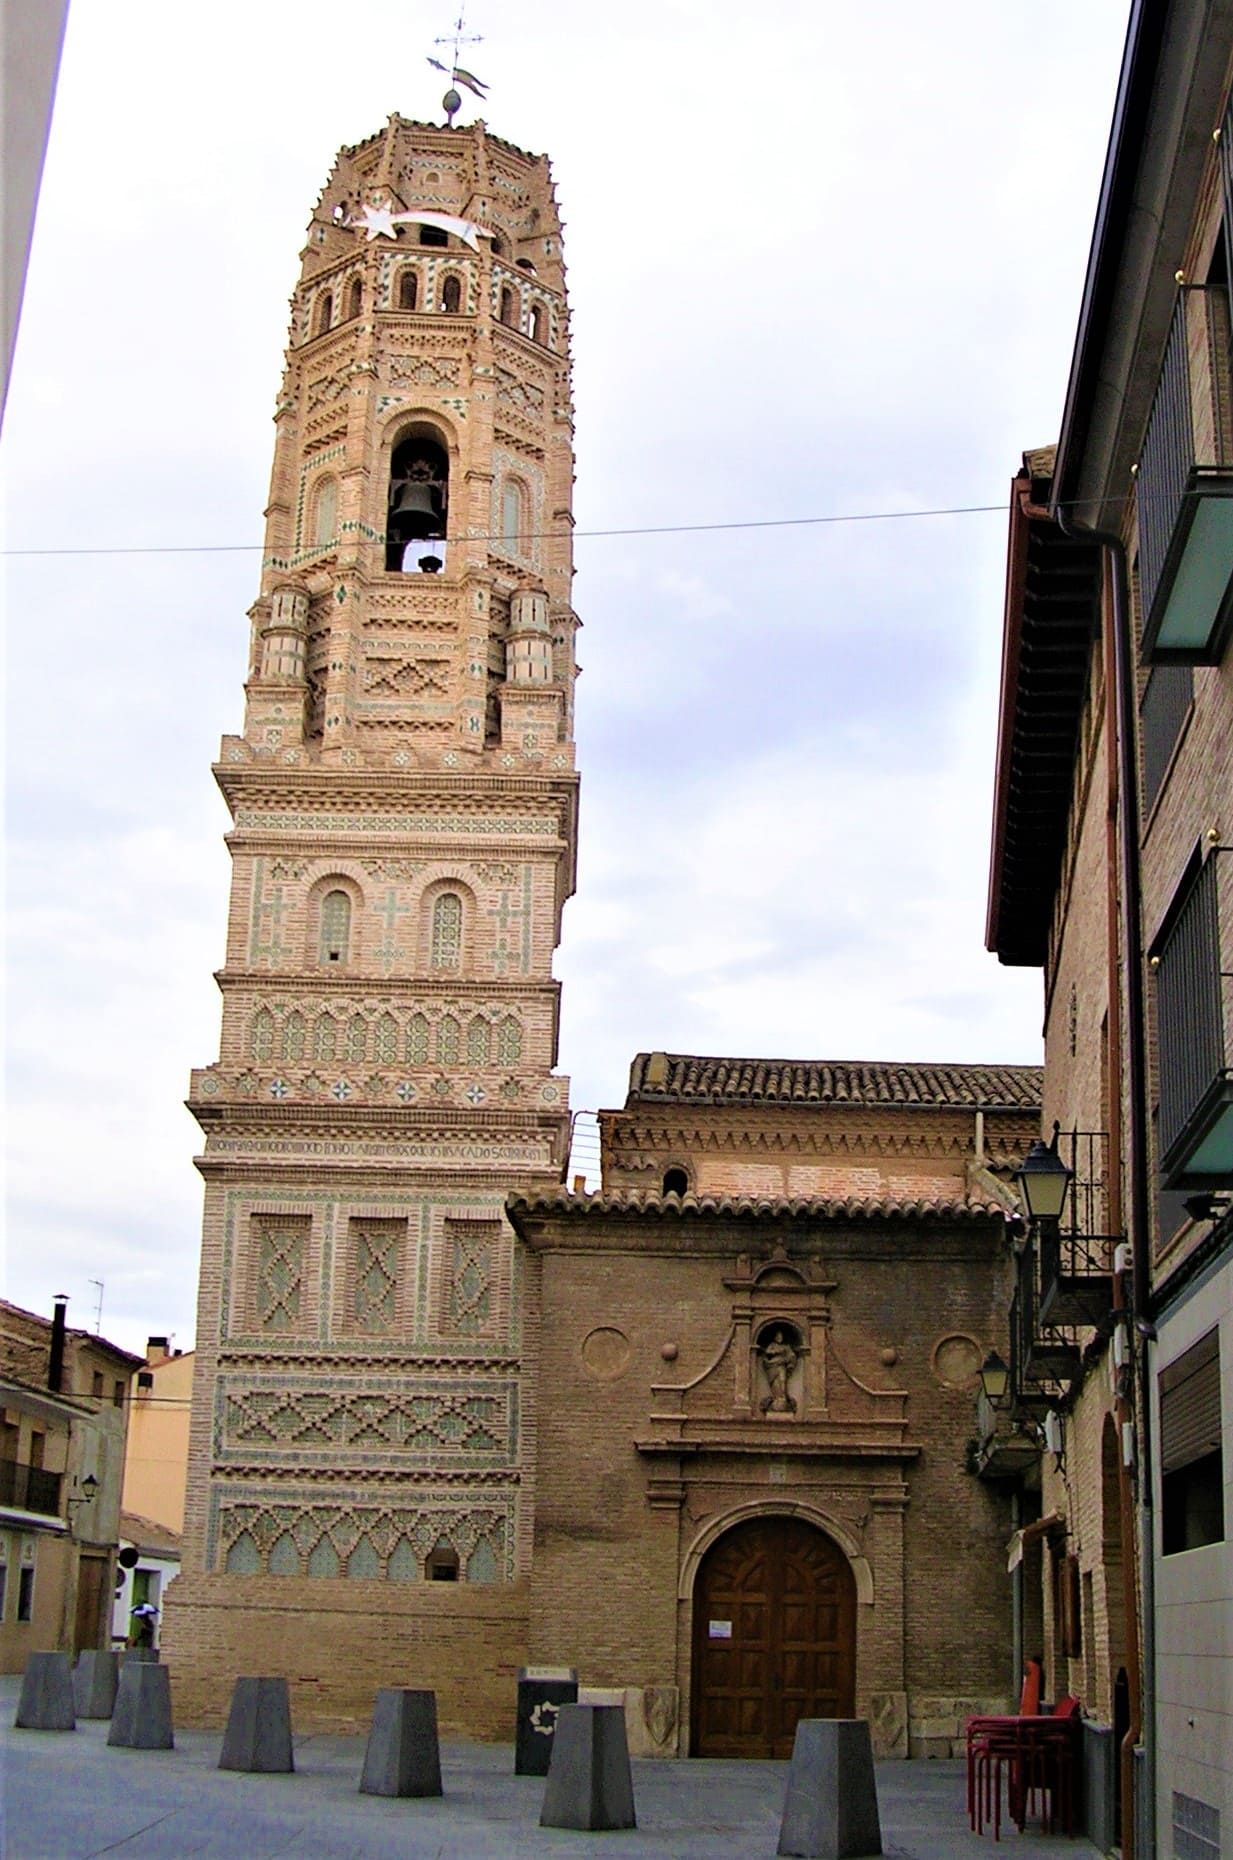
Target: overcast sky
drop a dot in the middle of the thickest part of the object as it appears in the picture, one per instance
(823, 260)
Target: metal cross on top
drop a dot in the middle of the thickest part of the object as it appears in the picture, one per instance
(452, 102)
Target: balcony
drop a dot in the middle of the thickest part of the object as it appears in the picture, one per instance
(1043, 1358)
(1185, 486)
(1075, 1275)
(1194, 1009)
(30, 1488)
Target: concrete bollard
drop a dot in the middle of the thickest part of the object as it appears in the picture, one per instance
(258, 1734)
(542, 1690)
(95, 1677)
(142, 1716)
(589, 1783)
(402, 1756)
(46, 1702)
(830, 1811)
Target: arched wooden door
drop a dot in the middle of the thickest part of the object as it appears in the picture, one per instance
(774, 1638)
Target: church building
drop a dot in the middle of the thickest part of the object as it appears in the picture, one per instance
(701, 1435)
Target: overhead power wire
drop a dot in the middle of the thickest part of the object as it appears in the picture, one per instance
(658, 529)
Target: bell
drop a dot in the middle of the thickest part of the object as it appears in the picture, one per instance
(414, 500)
(430, 564)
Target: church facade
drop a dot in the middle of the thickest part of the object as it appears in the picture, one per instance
(759, 1350)
(701, 1435)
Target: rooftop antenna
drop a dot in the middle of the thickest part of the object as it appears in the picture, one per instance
(98, 1309)
(451, 103)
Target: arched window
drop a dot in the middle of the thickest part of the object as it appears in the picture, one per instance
(293, 1037)
(408, 289)
(418, 502)
(676, 1182)
(323, 314)
(385, 1040)
(325, 1037)
(539, 324)
(335, 927)
(500, 246)
(509, 1041)
(355, 298)
(432, 235)
(417, 1040)
(263, 1034)
(509, 309)
(445, 951)
(479, 1040)
(451, 295)
(511, 515)
(449, 1036)
(356, 1047)
(325, 511)
(527, 264)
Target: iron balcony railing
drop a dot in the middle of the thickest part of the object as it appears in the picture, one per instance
(1185, 487)
(1075, 1275)
(1044, 1357)
(1194, 1009)
(30, 1488)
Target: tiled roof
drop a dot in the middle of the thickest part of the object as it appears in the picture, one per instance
(638, 1201)
(678, 1077)
(155, 1539)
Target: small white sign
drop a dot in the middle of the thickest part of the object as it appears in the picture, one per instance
(721, 1630)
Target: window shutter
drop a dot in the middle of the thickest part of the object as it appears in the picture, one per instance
(1190, 1405)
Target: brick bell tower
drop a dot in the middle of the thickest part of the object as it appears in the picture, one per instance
(404, 808)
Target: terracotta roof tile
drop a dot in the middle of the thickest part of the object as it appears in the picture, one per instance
(637, 1201)
(676, 1077)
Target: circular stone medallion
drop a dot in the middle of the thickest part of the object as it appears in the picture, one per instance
(605, 1353)
(957, 1361)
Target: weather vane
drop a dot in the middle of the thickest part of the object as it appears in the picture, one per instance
(451, 103)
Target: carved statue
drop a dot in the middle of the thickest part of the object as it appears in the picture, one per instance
(779, 1358)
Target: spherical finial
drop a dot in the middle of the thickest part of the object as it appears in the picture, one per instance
(451, 103)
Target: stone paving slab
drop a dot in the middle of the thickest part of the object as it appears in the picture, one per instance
(70, 1797)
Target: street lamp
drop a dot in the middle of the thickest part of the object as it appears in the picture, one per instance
(994, 1379)
(88, 1489)
(1043, 1180)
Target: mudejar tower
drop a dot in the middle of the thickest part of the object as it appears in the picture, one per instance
(403, 803)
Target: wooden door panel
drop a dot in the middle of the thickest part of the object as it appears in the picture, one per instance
(789, 1600)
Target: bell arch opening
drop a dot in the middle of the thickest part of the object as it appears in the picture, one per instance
(417, 505)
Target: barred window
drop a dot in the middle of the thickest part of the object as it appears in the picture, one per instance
(335, 927)
(446, 947)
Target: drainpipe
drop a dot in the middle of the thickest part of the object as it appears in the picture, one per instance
(55, 1356)
(1016, 1596)
(1138, 1224)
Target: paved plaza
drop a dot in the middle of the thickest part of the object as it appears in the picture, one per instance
(66, 1796)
